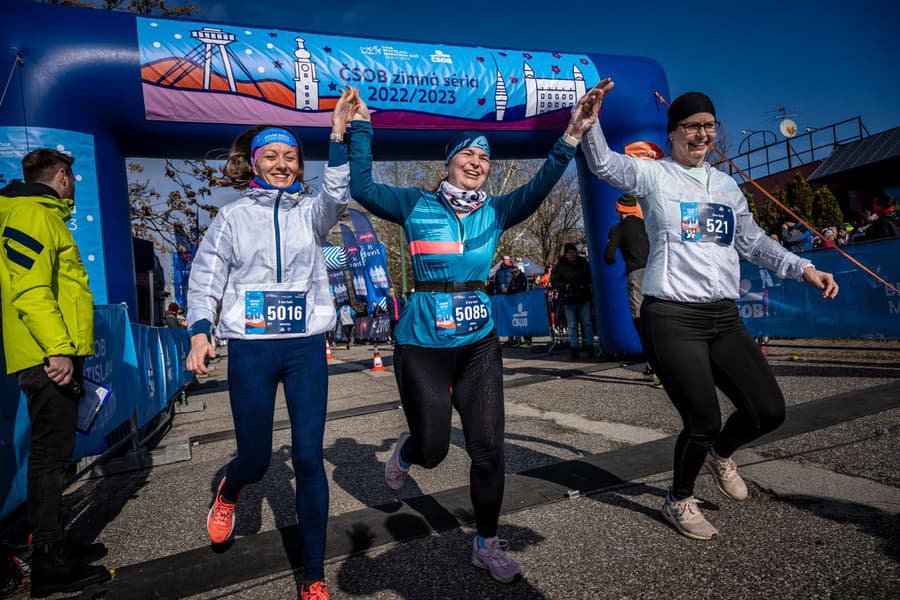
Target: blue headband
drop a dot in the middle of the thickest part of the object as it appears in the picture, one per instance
(467, 139)
(270, 136)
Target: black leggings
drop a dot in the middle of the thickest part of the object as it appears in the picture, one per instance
(693, 349)
(424, 378)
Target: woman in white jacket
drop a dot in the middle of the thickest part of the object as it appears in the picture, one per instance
(260, 269)
(700, 226)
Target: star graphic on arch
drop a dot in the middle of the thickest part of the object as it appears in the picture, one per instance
(277, 64)
(273, 34)
(332, 86)
(327, 49)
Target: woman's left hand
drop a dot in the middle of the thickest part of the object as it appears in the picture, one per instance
(587, 111)
(344, 110)
(821, 280)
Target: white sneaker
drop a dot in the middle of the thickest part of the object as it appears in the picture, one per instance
(685, 515)
(724, 472)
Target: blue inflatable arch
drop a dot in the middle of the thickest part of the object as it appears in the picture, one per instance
(113, 85)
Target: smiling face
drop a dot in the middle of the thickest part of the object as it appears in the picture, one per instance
(692, 138)
(468, 169)
(278, 164)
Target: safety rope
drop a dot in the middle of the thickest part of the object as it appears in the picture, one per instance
(16, 62)
(792, 213)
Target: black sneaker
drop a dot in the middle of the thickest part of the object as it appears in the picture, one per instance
(87, 553)
(53, 571)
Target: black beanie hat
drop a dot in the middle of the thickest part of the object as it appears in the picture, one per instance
(569, 246)
(687, 104)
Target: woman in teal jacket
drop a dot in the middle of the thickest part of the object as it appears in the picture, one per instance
(448, 354)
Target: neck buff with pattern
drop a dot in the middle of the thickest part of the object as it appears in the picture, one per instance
(463, 201)
(270, 136)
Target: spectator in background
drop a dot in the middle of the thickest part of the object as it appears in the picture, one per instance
(572, 277)
(545, 278)
(395, 306)
(172, 316)
(630, 237)
(796, 237)
(843, 237)
(345, 317)
(828, 237)
(887, 225)
(181, 317)
(48, 330)
(503, 275)
(519, 284)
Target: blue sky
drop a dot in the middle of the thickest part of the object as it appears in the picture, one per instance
(826, 61)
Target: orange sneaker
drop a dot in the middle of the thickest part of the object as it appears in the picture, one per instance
(317, 591)
(220, 520)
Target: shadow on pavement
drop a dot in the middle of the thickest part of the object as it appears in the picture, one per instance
(443, 571)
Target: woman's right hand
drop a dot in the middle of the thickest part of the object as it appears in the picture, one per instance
(201, 351)
(362, 111)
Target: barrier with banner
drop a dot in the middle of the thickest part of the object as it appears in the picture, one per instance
(522, 314)
(141, 366)
(864, 308)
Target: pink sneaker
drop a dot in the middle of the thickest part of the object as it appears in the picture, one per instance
(395, 475)
(494, 559)
(686, 517)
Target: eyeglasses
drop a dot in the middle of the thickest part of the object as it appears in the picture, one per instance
(693, 128)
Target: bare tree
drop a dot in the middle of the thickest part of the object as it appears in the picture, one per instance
(156, 218)
(139, 7)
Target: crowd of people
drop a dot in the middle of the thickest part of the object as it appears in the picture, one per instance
(268, 295)
(880, 222)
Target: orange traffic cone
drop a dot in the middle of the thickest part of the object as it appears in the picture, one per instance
(377, 365)
(328, 354)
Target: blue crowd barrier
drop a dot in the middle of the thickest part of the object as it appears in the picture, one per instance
(521, 314)
(142, 366)
(864, 307)
(114, 365)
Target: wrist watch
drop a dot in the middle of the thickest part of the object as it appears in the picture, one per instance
(340, 138)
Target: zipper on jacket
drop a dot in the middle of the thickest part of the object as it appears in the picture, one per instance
(459, 228)
(277, 239)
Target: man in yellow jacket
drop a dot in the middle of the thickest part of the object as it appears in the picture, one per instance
(48, 330)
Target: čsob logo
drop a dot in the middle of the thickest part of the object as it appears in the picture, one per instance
(753, 305)
(520, 317)
(440, 57)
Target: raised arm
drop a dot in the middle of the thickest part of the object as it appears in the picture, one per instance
(384, 201)
(518, 205)
(335, 195)
(631, 175)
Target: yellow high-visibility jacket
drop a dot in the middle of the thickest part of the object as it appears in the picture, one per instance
(48, 308)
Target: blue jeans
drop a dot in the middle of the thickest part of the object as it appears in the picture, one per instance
(255, 367)
(574, 314)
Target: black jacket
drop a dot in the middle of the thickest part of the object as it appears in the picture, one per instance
(572, 279)
(630, 236)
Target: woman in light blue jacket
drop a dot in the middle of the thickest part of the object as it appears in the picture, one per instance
(700, 226)
(260, 269)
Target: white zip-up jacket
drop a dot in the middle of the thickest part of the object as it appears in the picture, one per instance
(268, 243)
(698, 234)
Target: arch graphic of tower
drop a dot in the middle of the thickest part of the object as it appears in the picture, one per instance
(545, 95)
(306, 84)
(211, 38)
